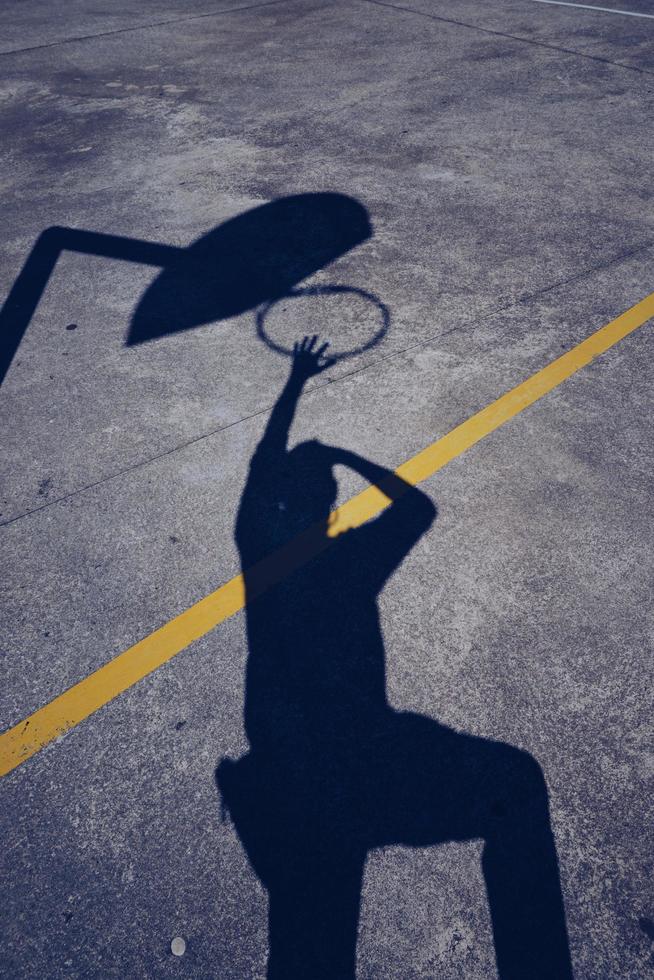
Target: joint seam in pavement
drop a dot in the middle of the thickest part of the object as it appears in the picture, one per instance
(526, 298)
(511, 37)
(141, 27)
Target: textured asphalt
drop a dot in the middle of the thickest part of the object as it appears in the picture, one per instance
(503, 151)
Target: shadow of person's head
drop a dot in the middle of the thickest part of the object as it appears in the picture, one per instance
(308, 489)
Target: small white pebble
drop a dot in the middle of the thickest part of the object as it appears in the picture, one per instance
(178, 946)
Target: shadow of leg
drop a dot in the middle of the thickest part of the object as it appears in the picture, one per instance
(297, 832)
(313, 916)
(522, 878)
(445, 785)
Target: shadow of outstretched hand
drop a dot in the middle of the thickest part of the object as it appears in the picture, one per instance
(309, 360)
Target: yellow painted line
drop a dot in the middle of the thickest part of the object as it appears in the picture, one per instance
(83, 699)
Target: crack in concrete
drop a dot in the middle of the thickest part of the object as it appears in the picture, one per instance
(511, 37)
(142, 27)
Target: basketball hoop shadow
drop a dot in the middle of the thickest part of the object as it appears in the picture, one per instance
(250, 261)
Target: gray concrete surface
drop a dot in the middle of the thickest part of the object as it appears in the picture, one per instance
(503, 151)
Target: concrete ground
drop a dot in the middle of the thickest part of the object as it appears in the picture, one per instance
(503, 151)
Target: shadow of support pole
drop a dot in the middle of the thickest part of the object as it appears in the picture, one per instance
(25, 295)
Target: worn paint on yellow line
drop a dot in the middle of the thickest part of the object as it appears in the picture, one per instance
(83, 699)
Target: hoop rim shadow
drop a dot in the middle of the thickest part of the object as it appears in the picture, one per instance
(329, 289)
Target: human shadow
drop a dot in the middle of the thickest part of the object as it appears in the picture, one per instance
(254, 258)
(333, 770)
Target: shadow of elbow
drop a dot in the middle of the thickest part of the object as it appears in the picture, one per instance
(424, 509)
